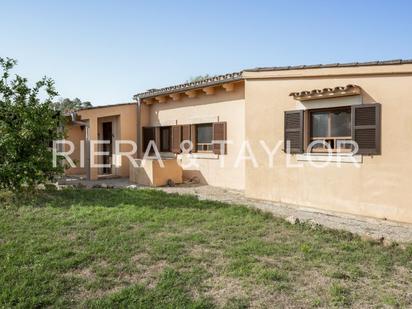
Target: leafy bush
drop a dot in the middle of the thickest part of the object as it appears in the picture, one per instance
(28, 125)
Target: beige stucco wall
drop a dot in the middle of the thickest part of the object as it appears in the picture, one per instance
(125, 127)
(220, 106)
(152, 173)
(75, 134)
(381, 187)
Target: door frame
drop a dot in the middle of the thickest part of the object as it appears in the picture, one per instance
(115, 120)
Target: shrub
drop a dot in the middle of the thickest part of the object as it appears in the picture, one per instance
(28, 125)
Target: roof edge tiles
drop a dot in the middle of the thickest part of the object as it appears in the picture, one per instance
(330, 65)
(215, 80)
(339, 91)
(237, 76)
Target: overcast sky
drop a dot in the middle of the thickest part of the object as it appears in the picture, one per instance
(106, 51)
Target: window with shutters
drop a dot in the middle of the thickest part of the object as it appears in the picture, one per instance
(335, 128)
(330, 128)
(204, 137)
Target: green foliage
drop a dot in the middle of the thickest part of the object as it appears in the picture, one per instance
(197, 78)
(28, 125)
(340, 295)
(6, 198)
(66, 105)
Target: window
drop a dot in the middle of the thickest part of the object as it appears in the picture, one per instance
(360, 124)
(331, 126)
(148, 135)
(204, 137)
(165, 139)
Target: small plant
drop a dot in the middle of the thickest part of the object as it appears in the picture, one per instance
(340, 295)
(273, 275)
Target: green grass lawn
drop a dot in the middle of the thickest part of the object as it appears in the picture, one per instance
(148, 249)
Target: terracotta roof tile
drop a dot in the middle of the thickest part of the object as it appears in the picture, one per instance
(319, 93)
(236, 76)
(331, 65)
(214, 80)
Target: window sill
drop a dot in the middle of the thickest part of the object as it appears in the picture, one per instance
(167, 155)
(335, 157)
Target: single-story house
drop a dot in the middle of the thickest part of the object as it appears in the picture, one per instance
(110, 123)
(319, 113)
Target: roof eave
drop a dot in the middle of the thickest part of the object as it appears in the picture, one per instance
(330, 65)
(214, 81)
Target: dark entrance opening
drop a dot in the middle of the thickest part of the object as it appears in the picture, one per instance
(107, 136)
(165, 138)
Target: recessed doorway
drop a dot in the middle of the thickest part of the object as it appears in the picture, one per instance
(107, 147)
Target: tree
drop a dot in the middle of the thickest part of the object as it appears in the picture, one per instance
(198, 78)
(28, 125)
(67, 105)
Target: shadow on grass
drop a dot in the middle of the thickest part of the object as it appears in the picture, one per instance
(114, 198)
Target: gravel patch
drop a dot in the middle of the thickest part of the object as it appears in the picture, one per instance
(382, 230)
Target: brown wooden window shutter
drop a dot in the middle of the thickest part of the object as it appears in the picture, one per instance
(219, 134)
(148, 135)
(186, 135)
(157, 138)
(294, 131)
(193, 137)
(366, 128)
(176, 138)
(186, 132)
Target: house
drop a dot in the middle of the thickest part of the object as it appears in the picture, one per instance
(110, 123)
(291, 133)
